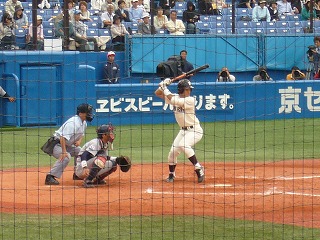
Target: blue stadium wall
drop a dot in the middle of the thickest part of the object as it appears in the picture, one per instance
(49, 85)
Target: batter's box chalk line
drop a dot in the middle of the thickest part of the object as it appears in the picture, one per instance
(269, 192)
(278, 177)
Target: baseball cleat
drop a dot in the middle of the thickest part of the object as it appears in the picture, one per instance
(200, 174)
(99, 181)
(50, 180)
(88, 184)
(171, 177)
(75, 177)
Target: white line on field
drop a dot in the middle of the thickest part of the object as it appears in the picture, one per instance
(271, 191)
(279, 177)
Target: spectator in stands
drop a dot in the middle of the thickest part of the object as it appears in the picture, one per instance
(40, 36)
(175, 26)
(145, 5)
(4, 94)
(105, 6)
(246, 4)
(186, 66)
(43, 4)
(85, 14)
(107, 17)
(225, 76)
(262, 75)
(71, 8)
(97, 5)
(273, 10)
(296, 74)
(284, 8)
(217, 6)
(20, 19)
(144, 27)
(261, 12)
(135, 12)
(7, 36)
(111, 70)
(10, 6)
(314, 54)
(205, 7)
(80, 33)
(160, 20)
(122, 12)
(305, 13)
(166, 6)
(190, 17)
(118, 30)
(298, 4)
(317, 8)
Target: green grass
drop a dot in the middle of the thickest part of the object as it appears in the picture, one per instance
(159, 227)
(258, 141)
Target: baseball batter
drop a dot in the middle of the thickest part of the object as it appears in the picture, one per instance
(69, 135)
(94, 163)
(190, 130)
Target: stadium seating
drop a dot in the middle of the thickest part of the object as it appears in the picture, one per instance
(257, 30)
(93, 25)
(180, 6)
(217, 31)
(204, 27)
(243, 24)
(92, 33)
(244, 31)
(295, 24)
(48, 33)
(270, 30)
(282, 31)
(21, 34)
(47, 24)
(282, 24)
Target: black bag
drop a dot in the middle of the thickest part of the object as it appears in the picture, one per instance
(49, 145)
(170, 68)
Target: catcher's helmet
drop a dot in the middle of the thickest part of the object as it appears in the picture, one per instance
(86, 108)
(105, 129)
(184, 84)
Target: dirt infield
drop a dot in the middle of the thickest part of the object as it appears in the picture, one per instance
(284, 192)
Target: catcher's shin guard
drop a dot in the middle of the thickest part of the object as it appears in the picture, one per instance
(93, 172)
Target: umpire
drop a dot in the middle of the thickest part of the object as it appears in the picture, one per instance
(68, 138)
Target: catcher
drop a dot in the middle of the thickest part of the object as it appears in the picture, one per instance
(94, 163)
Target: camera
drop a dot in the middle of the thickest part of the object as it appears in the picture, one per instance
(263, 74)
(224, 74)
(310, 52)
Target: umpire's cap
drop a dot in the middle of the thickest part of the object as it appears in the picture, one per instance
(105, 129)
(86, 108)
(184, 84)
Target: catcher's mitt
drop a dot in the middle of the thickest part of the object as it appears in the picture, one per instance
(124, 162)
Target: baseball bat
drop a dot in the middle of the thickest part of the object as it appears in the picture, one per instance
(187, 74)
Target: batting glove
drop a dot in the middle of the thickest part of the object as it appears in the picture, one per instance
(162, 85)
(167, 81)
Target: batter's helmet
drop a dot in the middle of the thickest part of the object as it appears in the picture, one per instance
(184, 84)
(86, 108)
(105, 129)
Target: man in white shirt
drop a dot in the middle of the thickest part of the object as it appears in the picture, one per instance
(284, 8)
(107, 17)
(261, 12)
(175, 26)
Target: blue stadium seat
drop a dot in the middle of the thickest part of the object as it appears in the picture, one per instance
(205, 18)
(270, 25)
(229, 31)
(241, 11)
(180, 5)
(270, 30)
(244, 31)
(218, 18)
(258, 24)
(217, 31)
(283, 18)
(283, 31)
(92, 25)
(95, 18)
(295, 24)
(21, 37)
(257, 30)
(296, 17)
(179, 13)
(48, 33)
(316, 24)
(92, 33)
(296, 30)
(93, 12)
(282, 24)
(204, 27)
(243, 24)
(26, 5)
(226, 11)
(47, 24)
(104, 32)
(305, 23)
(216, 24)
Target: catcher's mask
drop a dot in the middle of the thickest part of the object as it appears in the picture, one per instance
(86, 108)
(106, 129)
(184, 84)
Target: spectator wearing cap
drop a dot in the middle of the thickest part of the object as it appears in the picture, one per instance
(118, 30)
(273, 10)
(40, 36)
(261, 12)
(135, 13)
(10, 6)
(122, 12)
(305, 12)
(175, 26)
(80, 33)
(19, 18)
(144, 27)
(107, 17)
(111, 70)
